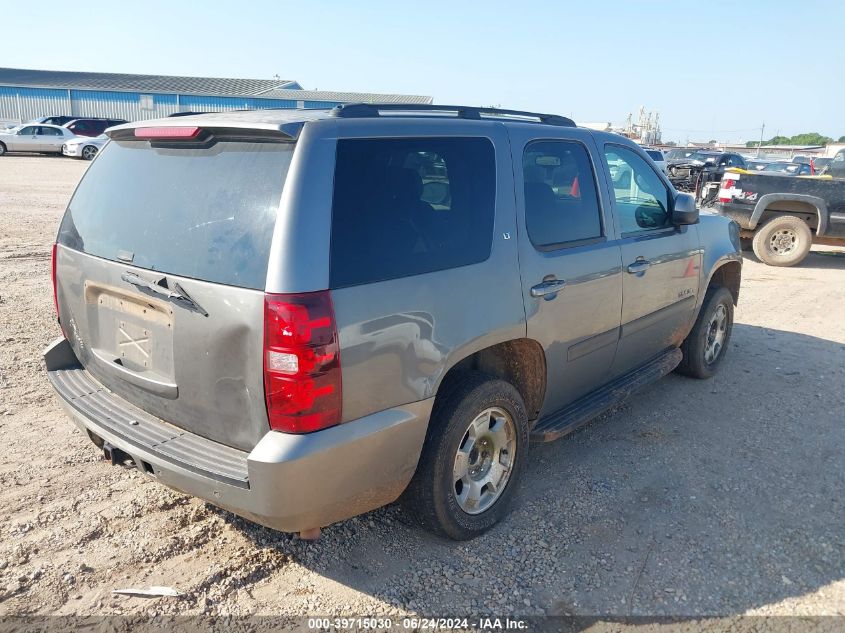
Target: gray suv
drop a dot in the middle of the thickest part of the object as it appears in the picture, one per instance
(301, 316)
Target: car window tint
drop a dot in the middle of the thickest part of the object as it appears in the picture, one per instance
(408, 206)
(641, 198)
(561, 201)
(50, 131)
(655, 155)
(29, 130)
(201, 212)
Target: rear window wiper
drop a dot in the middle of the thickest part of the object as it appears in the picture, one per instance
(177, 294)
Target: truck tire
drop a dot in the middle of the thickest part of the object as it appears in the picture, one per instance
(474, 451)
(706, 345)
(783, 241)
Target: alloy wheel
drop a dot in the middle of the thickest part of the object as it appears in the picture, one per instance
(484, 460)
(716, 333)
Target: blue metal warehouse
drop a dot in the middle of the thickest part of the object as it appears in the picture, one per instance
(27, 94)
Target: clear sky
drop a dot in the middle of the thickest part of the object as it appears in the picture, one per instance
(713, 69)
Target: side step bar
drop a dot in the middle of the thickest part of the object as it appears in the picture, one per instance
(582, 411)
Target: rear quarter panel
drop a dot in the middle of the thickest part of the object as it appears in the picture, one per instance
(399, 337)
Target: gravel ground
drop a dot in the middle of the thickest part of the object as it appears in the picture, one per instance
(692, 498)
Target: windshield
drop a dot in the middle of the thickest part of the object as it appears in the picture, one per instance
(777, 167)
(679, 153)
(201, 213)
(703, 157)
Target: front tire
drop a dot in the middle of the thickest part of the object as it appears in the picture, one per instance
(783, 241)
(89, 152)
(707, 343)
(474, 451)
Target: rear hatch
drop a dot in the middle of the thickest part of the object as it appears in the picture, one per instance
(161, 262)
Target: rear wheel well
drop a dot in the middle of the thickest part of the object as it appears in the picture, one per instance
(520, 362)
(804, 210)
(728, 276)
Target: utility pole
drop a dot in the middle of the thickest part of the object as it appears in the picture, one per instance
(762, 129)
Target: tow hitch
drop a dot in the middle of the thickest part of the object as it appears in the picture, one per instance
(117, 457)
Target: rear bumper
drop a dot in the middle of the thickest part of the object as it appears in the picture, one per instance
(287, 482)
(739, 213)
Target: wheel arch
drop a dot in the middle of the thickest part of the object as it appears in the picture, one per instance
(727, 274)
(791, 204)
(521, 362)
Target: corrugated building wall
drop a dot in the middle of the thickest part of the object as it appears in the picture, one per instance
(23, 104)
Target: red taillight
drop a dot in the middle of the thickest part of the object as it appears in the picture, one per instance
(727, 183)
(301, 362)
(165, 132)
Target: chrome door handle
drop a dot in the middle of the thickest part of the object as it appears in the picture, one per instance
(639, 266)
(548, 287)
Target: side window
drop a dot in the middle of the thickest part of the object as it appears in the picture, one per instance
(409, 206)
(29, 130)
(642, 200)
(50, 131)
(561, 201)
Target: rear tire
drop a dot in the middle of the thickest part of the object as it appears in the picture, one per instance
(707, 343)
(2, 149)
(474, 451)
(783, 241)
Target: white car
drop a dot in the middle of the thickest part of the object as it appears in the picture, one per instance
(34, 138)
(84, 147)
(657, 156)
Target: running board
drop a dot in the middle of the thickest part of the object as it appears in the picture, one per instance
(582, 411)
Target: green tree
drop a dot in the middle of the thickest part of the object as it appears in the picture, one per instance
(778, 140)
(810, 138)
(807, 138)
(841, 139)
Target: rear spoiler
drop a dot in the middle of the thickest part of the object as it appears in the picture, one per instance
(185, 131)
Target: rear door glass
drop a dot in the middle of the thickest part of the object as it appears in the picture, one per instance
(409, 206)
(202, 213)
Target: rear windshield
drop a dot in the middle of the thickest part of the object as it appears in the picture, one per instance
(202, 213)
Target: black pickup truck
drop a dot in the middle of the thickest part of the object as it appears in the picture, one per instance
(782, 216)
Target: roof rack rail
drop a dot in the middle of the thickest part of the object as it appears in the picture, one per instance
(368, 110)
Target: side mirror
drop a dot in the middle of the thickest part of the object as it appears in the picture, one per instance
(684, 210)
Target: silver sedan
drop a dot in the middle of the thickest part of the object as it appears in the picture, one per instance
(34, 138)
(84, 147)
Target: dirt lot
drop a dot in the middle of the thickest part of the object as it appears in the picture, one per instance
(694, 497)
